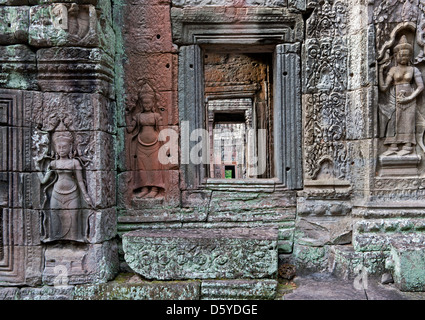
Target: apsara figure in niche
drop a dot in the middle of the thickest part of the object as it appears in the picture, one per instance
(405, 84)
(145, 127)
(64, 188)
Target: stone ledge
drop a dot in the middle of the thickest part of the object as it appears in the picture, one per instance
(127, 287)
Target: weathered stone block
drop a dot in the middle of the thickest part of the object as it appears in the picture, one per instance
(145, 67)
(309, 259)
(359, 113)
(14, 2)
(9, 293)
(325, 65)
(69, 24)
(202, 253)
(162, 213)
(323, 208)
(83, 112)
(374, 262)
(348, 264)
(125, 288)
(286, 238)
(344, 261)
(238, 289)
(377, 234)
(328, 19)
(22, 225)
(18, 67)
(21, 103)
(72, 69)
(407, 262)
(358, 16)
(20, 250)
(276, 24)
(47, 293)
(326, 151)
(14, 28)
(101, 148)
(68, 264)
(358, 63)
(152, 33)
(20, 265)
(103, 225)
(129, 196)
(320, 231)
(249, 206)
(101, 187)
(93, 2)
(198, 199)
(231, 3)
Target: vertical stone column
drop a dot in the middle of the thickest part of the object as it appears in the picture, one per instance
(324, 205)
(57, 67)
(148, 188)
(287, 109)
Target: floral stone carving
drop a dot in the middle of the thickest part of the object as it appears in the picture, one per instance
(172, 254)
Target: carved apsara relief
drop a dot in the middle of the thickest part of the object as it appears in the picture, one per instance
(143, 128)
(64, 190)
(400, 104)
(405, 83)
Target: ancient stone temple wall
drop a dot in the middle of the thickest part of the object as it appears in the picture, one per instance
(338, 79)
(58, 133)
(204, 144)
(185, 58)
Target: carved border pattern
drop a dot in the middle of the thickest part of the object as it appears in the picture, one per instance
(325, 84)
(325, 130)
(188, 259)
(329, 19)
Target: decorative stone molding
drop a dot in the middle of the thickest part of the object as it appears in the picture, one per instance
(238, 26)
(74, 69)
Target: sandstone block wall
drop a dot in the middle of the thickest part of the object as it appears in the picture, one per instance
(86, 86)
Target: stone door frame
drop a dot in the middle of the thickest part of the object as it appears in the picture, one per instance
(271, 30)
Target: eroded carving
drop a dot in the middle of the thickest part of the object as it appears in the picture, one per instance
(326, 65)
(64, 185)
(329, 19)
(144, 128)
(325, 131)
(390, 11)
(201, 254)
(61, 24)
